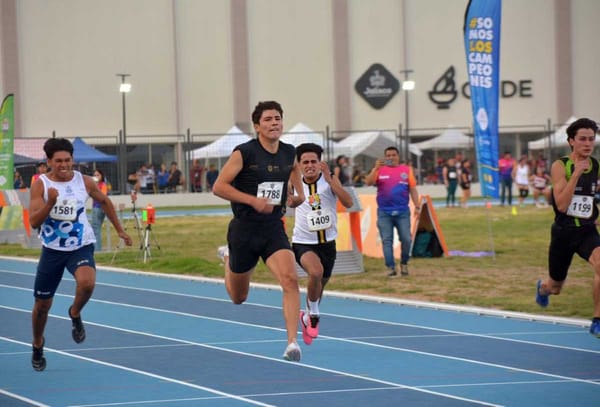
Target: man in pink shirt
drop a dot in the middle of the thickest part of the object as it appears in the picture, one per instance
(506, 165)
(396, 184)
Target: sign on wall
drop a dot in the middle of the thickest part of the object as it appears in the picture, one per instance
(377, 86)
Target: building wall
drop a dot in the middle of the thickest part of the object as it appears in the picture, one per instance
(180, 57)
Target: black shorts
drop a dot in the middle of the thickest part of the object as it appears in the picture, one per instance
(52, 265)
(565, 242)
(326, 252)
(250, 240)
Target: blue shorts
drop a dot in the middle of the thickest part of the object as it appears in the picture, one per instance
(52, 265)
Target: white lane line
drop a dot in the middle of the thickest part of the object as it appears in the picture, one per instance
(336, 372)
(23, 399)
(142, 372)
(353, 318)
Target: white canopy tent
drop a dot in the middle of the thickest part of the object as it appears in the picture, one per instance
(370, 143)
(559, 138)
(451, 139)
(301, 133)
(221, 147)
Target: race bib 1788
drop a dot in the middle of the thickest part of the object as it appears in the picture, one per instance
(272, 191)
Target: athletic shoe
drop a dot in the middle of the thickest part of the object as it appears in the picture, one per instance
(542, 300)
(392, 272)
(77, 330)
(313, 328)
(292, 352)
(222, 252)
(404, 269)
(38, 361)
(595, 328)
(305, 336)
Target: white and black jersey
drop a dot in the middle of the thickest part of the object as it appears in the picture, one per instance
(319, 206)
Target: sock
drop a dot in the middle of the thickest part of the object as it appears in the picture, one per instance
(313, 307)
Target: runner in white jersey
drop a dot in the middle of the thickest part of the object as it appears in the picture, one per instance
(315, 230)
(67, 227)
(57, 207)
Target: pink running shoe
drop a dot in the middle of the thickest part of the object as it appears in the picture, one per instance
(305, 336)
(313, 328)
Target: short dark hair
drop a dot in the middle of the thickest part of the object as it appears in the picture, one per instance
(52, 145)
(262, 106)
(392, 148)
(583, 123)
(309, 148)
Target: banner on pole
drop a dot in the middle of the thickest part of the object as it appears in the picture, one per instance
(482, 46)
(7, 123)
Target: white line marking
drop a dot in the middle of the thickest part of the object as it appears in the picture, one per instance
(337, 372)
(23, 399)
(144, 373)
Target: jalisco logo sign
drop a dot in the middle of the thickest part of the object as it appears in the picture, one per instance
(377, 86)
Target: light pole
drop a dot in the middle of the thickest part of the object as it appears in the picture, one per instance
(124, 88)
(407, 86)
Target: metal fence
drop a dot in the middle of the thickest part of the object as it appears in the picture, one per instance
(154, 150)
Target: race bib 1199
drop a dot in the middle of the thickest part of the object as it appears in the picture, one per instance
(581, 206)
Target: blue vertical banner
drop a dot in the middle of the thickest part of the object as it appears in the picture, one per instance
(482, 46)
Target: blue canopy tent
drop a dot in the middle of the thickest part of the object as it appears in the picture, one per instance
(84, 153)
(21, 160)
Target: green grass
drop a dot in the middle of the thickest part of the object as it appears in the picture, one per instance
(507, 281)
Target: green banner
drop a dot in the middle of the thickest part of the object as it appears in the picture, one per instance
(7, 125)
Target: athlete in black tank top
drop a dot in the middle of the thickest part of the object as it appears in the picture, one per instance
(261, 166)
(255, 180)
(574, 184)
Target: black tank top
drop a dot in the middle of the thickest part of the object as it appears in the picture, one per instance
(260, 166)
(585, 188)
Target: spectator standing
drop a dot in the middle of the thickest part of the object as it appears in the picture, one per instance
(439, 171)
(506, 166)
(175, 178)
(466, 178)
(42, 168)
(396, 184)
(18, 182)
(211, 176)
(162, 178)
(521, 175)
(150, 179)
(196, 174)
(343, 170)
(451, 181)
(98, 214)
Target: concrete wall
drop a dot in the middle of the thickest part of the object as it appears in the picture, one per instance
(180, 55)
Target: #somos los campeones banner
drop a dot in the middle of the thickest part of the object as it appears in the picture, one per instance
(6, 143)
(482, 46)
